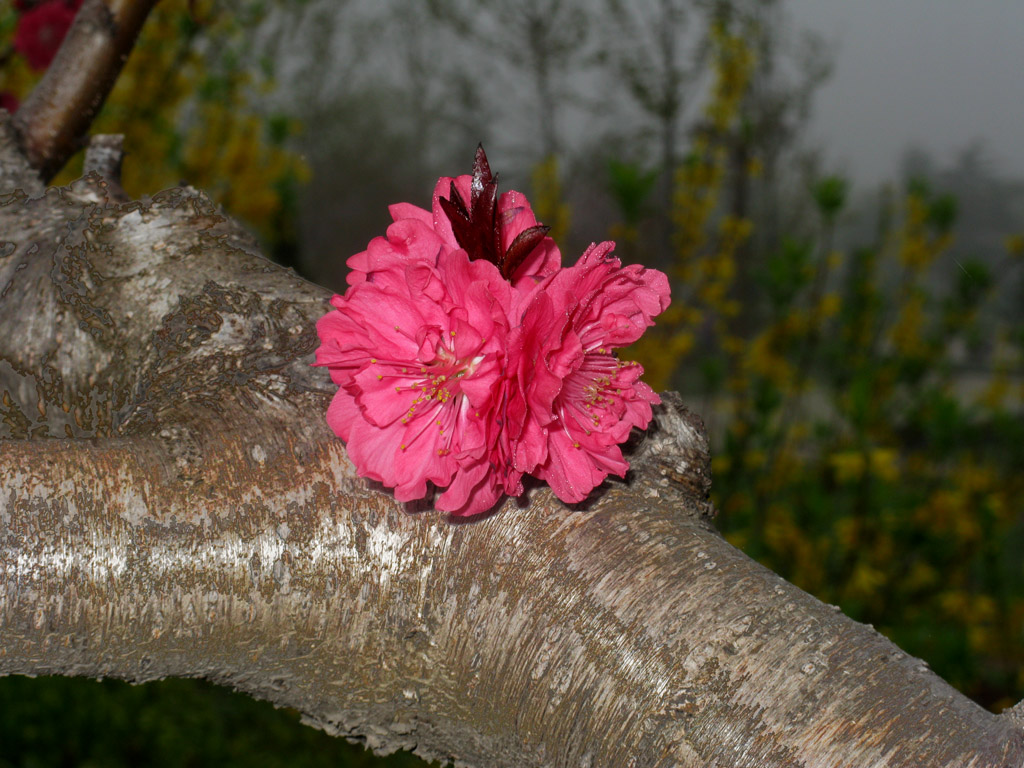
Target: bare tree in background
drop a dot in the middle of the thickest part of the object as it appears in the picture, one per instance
(791, 67)
(657, 54)
(543, 41)
(376, 85)
(174, 505)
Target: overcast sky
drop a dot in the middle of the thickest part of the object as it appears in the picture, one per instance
(939, 73)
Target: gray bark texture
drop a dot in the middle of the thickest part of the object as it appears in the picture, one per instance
(172, 503)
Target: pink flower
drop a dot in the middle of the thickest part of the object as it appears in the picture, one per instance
(466, 357)
(576, 401)
(385, 259)
(419, 362)
(41, 30)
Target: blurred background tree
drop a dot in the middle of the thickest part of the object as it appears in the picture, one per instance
(858, 355)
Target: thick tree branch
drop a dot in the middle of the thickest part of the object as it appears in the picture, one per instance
(173, 504)
(53, 120)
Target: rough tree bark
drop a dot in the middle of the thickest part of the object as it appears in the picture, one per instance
(172, 504)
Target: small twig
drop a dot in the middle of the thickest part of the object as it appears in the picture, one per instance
(57, 114)
(104, 156)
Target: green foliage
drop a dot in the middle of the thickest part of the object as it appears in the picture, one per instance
(830, 195)
(631, 185)
(786, 274)
(942, 213)
(168, 724)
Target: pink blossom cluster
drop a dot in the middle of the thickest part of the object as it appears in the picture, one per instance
(452, 373)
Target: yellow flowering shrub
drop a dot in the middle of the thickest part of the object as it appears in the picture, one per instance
(847, 454)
